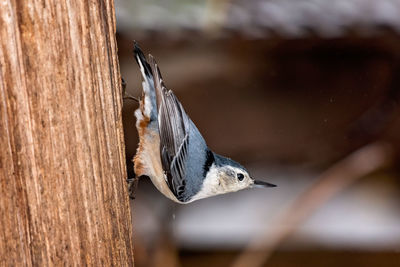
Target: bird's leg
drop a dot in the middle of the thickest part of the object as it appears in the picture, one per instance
(125, 95)
(132, 186)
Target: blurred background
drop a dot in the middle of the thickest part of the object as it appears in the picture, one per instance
(305, 94)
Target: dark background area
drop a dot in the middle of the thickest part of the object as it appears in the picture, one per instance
(289, 98)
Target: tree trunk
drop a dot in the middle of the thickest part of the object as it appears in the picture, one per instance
(63, 198)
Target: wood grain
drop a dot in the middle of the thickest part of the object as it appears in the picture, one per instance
(63, 199)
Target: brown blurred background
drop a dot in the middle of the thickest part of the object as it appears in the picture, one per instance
(291, 89)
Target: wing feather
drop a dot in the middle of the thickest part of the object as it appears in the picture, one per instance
(174, 126)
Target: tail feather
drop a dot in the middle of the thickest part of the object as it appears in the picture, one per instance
(148, 104)
(142, 62)
(158, 81)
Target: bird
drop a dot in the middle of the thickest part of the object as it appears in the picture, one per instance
(171, 150)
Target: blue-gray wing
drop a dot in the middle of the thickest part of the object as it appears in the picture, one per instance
(174, 132)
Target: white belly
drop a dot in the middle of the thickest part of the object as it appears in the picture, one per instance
(147, 160)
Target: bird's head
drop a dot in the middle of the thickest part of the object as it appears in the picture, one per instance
(233, 177)
(226, 175)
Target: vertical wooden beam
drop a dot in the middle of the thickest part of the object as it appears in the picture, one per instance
(63, 198)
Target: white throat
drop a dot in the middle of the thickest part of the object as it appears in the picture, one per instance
(211, 185)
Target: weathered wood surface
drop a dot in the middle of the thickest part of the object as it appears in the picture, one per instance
(63, 198)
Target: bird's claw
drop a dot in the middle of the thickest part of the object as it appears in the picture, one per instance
(132, 186)
(125, 95)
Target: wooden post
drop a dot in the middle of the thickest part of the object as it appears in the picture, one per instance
(63, 198)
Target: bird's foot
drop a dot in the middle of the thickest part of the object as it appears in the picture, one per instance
(132, 186)
(125, 95)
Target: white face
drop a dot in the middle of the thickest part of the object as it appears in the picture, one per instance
(232, 179)
(223, 180)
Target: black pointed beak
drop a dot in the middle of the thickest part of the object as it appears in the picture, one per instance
(262, 184)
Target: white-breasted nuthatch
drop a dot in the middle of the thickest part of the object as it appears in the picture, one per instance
(171, 150)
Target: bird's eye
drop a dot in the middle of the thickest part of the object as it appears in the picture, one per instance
(240, 176)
